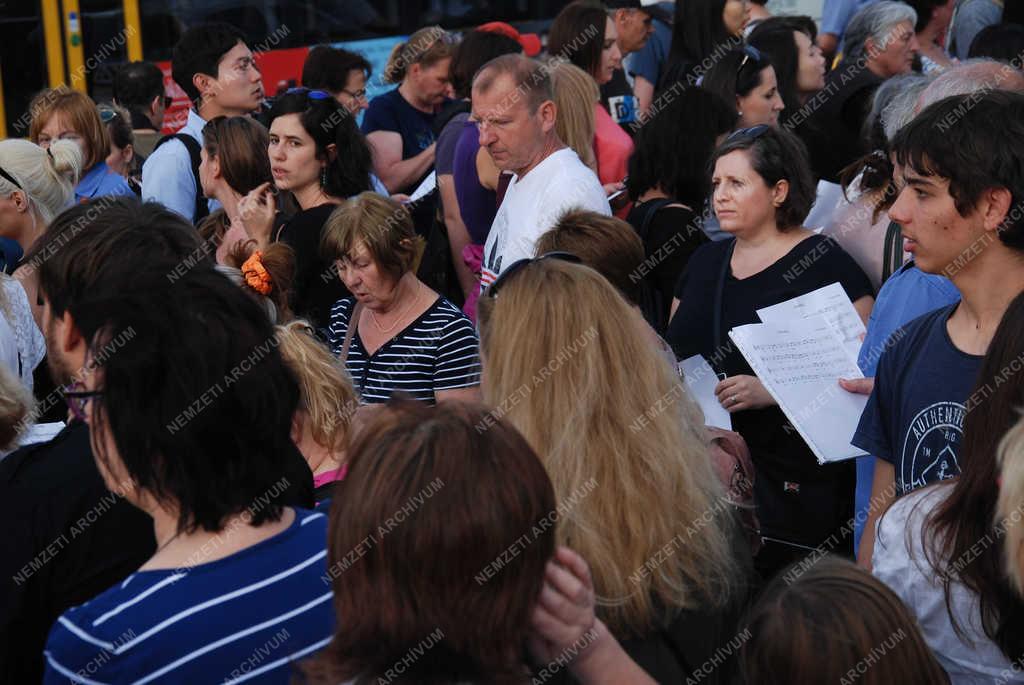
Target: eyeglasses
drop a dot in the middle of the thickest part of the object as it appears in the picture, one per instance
(358, 95)
(517, 266)
(311, 95)
(752, 133)
(10, 178)
(78, 400)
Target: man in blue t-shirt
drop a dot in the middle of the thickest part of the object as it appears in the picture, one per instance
(645, 65)
(961, 189)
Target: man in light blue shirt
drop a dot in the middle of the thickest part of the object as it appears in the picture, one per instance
(216, 69)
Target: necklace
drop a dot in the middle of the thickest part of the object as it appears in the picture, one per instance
(398, 319)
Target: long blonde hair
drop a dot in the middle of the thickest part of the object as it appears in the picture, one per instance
(326, 394)
(1011, 503)
(566, 362)
(576, 93)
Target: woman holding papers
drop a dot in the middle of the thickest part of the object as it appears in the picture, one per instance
(763, 189)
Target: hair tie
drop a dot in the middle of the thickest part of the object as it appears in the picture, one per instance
(255, 274)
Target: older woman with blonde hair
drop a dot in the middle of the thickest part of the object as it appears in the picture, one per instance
(575, 95)
(395, 333)
(327, 403)
(569, 365)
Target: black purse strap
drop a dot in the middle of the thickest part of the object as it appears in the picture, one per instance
(720, 296)
(892, 257)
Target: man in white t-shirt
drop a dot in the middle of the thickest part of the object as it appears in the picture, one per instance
(513, 105)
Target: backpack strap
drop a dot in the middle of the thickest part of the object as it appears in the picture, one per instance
(651, 207)
(202, 209)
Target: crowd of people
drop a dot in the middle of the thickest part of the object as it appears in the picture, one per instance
(324, 389)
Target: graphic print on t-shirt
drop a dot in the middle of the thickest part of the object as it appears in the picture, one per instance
(931, 445)
(623, 109)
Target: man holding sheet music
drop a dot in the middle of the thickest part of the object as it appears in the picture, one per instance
(762, 191)
(961, 206)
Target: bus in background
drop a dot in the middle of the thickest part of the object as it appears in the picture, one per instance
(44, 43)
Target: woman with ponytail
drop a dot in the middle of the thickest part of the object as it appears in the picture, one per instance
(318, 157)
(266, 274)
(399, 123)
(35, 186)
(234, 163)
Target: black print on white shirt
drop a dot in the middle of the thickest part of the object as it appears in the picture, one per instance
(931, 445)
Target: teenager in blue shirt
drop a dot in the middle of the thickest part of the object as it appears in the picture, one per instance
(216, 69)
(961, 188)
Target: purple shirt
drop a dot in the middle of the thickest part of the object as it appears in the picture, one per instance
(477, 204)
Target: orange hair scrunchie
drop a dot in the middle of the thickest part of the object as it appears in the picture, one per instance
(255, 274)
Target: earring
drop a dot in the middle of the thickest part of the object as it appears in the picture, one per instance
(323, 177)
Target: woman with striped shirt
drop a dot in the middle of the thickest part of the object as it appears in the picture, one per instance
(396, 334)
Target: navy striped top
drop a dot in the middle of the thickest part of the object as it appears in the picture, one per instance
(437, 351)
(248, 617)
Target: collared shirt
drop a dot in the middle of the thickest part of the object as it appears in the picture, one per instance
(167, 174)
(100, 181)
(836, 14)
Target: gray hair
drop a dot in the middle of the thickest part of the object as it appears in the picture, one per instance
(235, 276)
(972, 76)
(874, 21)
(895, 101)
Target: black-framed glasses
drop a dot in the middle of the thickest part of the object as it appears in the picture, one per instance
(358, 95)
(311, 94)
(10, 179)
(517, 266)
(78, 400)
(752, 133)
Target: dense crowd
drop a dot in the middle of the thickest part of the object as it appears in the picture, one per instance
(334, 390)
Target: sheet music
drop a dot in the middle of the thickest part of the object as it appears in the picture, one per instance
(424, 189)
(701, 381)
(830, 302)
(800, 363)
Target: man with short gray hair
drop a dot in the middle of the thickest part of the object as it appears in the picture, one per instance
(514, 109)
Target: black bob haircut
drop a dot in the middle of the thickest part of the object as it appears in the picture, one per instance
(976, 142)
(328, 68)
(195, 395)
(327, 122)
(737, 73)
(674, 157)
(777, 155)
(199, 51)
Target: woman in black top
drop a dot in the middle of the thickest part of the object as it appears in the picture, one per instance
(668, 182)
(762, 191)
(319, 156)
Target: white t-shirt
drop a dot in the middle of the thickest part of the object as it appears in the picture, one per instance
(534, 203)
(899, 561)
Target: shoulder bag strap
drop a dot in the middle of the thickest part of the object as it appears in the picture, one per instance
(892, 257)
(720, 295)
(353, 323)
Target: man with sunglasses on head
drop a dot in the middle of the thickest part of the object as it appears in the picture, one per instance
(217, 71)
(68, 537)
(513, 105)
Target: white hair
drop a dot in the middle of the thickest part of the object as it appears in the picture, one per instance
(972, 76)
(899, 106)
(875, 21)
(47, 178)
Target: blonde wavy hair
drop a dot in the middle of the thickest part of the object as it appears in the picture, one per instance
(576, 93)
(326, 394)
(566, 361)
(1011, 501)
(16, 406)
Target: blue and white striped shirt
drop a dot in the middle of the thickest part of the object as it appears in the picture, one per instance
(248, 617)
(437, 351)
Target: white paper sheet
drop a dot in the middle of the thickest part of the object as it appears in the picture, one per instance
(41, 432)
(701, 381)
(830, 302)
(800, 363)
(424, 189)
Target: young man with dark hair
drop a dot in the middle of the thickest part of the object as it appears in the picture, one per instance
(960, 206)
(139, 88)
(70, 538)
(217, 71)
(341, 73)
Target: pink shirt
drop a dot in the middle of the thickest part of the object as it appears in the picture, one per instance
(612, 147)
(330, 476)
